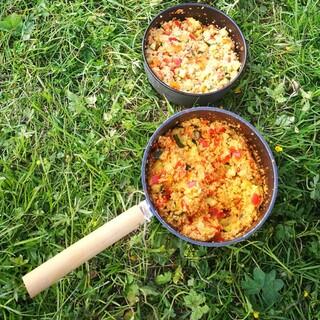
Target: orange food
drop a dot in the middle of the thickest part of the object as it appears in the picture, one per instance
(206, 190)
(174, 85)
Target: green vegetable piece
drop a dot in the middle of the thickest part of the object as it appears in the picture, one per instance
(178, 141)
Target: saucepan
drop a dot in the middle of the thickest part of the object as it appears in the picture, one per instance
(207, 15)
(89, 246)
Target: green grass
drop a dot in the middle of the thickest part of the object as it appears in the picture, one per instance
(76, 111)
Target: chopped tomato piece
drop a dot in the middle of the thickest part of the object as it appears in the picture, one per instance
(217, 130)
(216, 141)
(226, 158)
(177, 61)
(166, 60)
(191, 183)
(154, 179)
(192, 36)
(213, 210)
(179, 164)
(218, 237)
(177, 23)
(216, 213)
(235, 153)
(256, 199)
(173, 39)
(204, 143)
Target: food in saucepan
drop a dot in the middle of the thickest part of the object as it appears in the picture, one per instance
(192, 57)
(205, 180)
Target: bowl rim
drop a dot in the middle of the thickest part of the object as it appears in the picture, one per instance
(196, 4)
(255, 132)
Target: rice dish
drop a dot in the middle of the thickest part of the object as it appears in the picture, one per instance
(192, 57)
(205, 181)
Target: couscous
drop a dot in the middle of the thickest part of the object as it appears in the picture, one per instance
(192, 57)
(205, 181)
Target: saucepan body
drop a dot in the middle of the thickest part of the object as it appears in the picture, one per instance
(255, 140)
(207, 15)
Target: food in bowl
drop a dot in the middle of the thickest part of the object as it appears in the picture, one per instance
(205, 180)
(192, 57)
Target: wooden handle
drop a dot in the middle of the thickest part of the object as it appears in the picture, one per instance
(72, 257)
